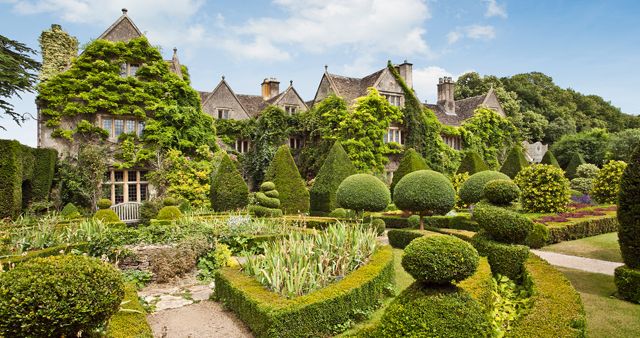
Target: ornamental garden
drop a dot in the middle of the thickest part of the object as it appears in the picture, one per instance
(310, 242)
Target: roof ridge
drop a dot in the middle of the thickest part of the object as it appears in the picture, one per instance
(471, 97)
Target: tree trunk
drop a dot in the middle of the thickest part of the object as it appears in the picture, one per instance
(421, 221)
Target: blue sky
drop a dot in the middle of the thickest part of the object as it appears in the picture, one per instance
(591, 46)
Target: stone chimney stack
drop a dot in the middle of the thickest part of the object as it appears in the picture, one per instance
(270, 88)
(445, 95)
(406, 72)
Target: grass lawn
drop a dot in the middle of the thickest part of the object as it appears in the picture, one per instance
(606, 316)
(604, 247)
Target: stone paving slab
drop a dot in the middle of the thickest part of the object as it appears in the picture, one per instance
(578, 263)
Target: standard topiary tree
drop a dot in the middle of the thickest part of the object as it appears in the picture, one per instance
(606, 185)
(544, 188)
(550, 159)
(228, 189)
(58, 296)
(335, 169)
(574, 163)
(627, 277)
(501, 192)
(472, 163)
(472, 189)
(426, 192)
(440, 259)
(363, 192)
(514, 163)
(282, 171)
(411, 161)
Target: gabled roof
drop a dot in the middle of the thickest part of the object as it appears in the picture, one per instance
(464, 109)
(253, 104)
(350, 88)
(122, 30)
(223, 82)
(276, 99)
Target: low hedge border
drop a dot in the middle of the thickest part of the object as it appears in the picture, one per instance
(628, 283)
(400, 238)
(461, 222)
(582, 228)
(320, 313)
(557, 309)
(8, 262)
(125, 324)
(505, 259)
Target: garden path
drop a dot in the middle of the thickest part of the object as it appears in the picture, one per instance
(578, 263)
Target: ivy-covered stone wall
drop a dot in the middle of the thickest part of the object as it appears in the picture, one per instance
(58, 49)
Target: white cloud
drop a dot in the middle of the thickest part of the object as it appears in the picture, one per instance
(495, 9)
(453, 37)
(425, 81)
(473, 32)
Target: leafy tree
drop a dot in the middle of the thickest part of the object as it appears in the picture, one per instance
(606, 185)
(489, 134)
(80, 178)
(18, 74)
(282, 171)
(591, 144)
(572, 168)
(514, 163)
(549, 159)
(472, 163)
(426, 192)
(336, 168)
(623, 144)
(558, 128)
(411, 161)
(271, 130)
(228, 189)
(532, 126)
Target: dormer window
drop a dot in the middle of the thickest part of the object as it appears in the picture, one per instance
(394, 134)
(224, 113)
(394, 100)
(128, 69)
(291, 109)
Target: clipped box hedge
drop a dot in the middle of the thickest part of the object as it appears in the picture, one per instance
(557, 309)
(462, 222)
(6, 263)
(582, 228)
(505, 259)
(320, 313)
(126, 324)
(400, 238)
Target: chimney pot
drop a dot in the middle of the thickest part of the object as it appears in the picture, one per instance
(124, 11)
(270, 88)
(445, 95)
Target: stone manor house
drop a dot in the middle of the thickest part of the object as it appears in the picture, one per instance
(223, 103)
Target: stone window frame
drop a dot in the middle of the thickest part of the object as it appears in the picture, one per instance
(129, 69)
(394, 134)
(454, 142)
(220, 113)
(113, 184)
(395, 99)
(138, 125)
(291, 109)
(296, 142)
(242, 146)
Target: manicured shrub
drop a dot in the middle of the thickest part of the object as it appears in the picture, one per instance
(261, 211)
(107, 215)
(576, 161)
(501, 192)
(58, 296)
(514, 163)
(414, 221)
(149, 210)
(433, 312)
(338, 213)
(502, 224)
(411, 161)
(400, 238)
(283, 172)
(334, 170)
(550, 159)
(272, 193)
(131, 323)
(170, 201)
(439, 259)
(538, 236)
(544, 188)
(629, 213)
(472, 163)
(606, 185)
(169, 213)
(70, 211)
(628, 283)
(267, 205)
(104, 203)
(228, 189)
(505, 259)
(473, 188)
(582, 228)
(378, 225)
(584, 178)
(582, 185)
(587, 170)
(425, 192)
(363, 192)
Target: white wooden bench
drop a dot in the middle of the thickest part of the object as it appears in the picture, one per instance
(129, 212)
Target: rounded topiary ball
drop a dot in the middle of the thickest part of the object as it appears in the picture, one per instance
(107, 215)
(338, 213)
(501, 192)
(440, 259)
(472, 189)
(170, 201)
(378, 225)
(104, 203)
(363, 192)
(169, 213)
(267, 186)
(425, 191)
(58, 296)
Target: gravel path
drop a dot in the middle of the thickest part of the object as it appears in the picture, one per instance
(578, 263)
(201, 320)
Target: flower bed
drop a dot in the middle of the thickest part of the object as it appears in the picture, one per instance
(320, 313)
(580, 223)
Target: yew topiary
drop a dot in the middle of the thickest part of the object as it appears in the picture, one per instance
(335, 169)
(425, 192)
(169, 213)
(107, 215)
(472, 189)
(104, 203)
(411, 161)
(363, 192)
(283, 172)
(574, 163)
(550, 159)
(501, 192)
(514, 163)
(606, 185)
(228, 189)
(503, 225)
(544, 188)
(472, 163)
(627, 277)
(267, 202)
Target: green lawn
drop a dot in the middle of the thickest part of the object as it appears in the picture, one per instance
(606, 316)
(604, 247)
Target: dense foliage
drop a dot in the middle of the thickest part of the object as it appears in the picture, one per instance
(58, 49)
(501, 192)
(439, 260)
(505, 259)
(425, 192)
(169, 213)
(472, 189)
(489, 134)
(628, 211)
(623, 143)
(283, 172)
(228, 189)
(591, 144)
(501, 224)
(58, 296)
(268, 132)
(363, 192)
(544, 188)
(409, 162)
(550, 159)
(471, 163)
(584, 177)
(576, 161)
(107, 216)
(606, 185)
(514, 162)
(267, 203)
(79, 178)
(335, 169)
